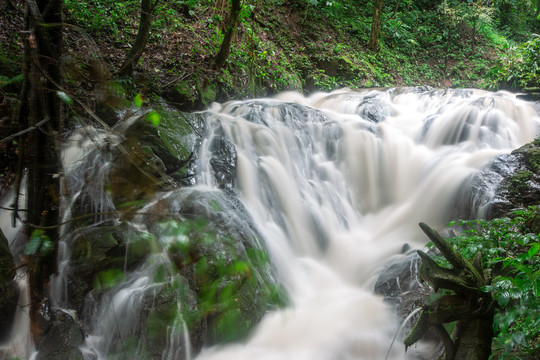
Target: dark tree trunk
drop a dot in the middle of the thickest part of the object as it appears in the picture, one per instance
(225, 49)
(376, 26)
(143, 34)
(41, 110)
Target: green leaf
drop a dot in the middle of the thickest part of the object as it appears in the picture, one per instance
(536, 288)
(34, 243)
(503, 298)
(533, 250)
(487, 288)
(47, 246)
(138, 100)
(242, 267)
(4, 80)
(65, 97)
(108, 278)
(154, 118)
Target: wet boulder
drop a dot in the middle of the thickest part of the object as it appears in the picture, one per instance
(223, 162)
(99, 253)
(520, 187)
(62, 338)
(399, 285)
(510, 182)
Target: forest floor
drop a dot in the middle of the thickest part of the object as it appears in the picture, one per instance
(280, 48)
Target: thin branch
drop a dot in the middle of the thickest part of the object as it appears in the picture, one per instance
(12, 209)
(11, 137)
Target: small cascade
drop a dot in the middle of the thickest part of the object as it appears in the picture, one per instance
(268, 228)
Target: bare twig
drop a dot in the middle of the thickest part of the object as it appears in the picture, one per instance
(11, 137)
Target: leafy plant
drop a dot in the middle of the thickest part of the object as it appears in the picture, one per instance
(101, 16)
(520, 66)
(510, 251)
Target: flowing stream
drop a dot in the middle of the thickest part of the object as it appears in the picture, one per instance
(337, 190)
(335, 184)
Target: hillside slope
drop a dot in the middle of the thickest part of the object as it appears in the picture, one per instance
(277, 46)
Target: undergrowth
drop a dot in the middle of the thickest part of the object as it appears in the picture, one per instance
(510, 256)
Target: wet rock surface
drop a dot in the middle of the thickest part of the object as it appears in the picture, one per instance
(206, 269)
(399, 285)
(62, 338)
(520, 184)
(223, 163)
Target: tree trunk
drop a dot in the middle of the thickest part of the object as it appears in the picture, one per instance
(143, 34)
(41, 109)
(220, 59)
(376, 26)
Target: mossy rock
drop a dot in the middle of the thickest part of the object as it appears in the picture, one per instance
(100, 253)
(62, 339)
(521, 187)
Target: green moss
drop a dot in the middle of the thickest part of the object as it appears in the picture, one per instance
(533, 158)
(184, 88)
(518, 183)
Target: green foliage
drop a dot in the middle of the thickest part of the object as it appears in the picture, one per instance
(5, 81)
(226, 280)
(108, 278)
(65, 97)
(519, 66)
(515, 17)
(107, 16)
(438, 43)
(510, 255)
(138, 100)
(153, 117)
(39, 244)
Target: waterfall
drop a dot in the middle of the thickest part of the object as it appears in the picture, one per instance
(331, 186)
(337, 184)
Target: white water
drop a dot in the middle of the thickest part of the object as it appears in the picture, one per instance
(336, 198)
(336, 184)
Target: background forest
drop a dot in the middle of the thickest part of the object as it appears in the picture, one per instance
(277, 45)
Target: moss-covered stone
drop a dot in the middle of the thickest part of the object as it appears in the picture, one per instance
(519, 188)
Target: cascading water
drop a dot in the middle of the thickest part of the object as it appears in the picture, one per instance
(332, 185)
(339, 187)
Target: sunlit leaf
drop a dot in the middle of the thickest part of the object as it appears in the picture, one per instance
(65, 97)
(34, 243)
(138, 100)
(533, 250)
(243, 268)
(154, 118)
(108, 278)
